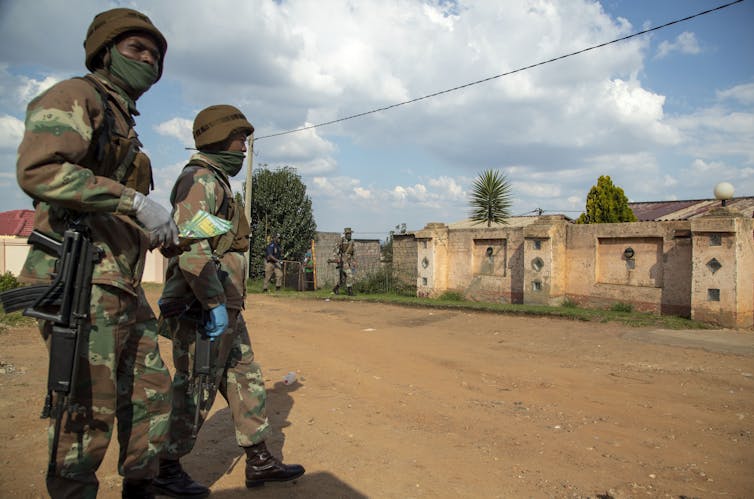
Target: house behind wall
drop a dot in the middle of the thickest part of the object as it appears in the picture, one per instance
(701, 268)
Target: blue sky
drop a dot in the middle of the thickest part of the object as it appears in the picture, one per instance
(667, 115)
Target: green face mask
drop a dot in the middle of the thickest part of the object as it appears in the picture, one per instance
(136, 74)
(230, 162)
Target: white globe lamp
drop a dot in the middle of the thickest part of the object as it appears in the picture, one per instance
(724, 191)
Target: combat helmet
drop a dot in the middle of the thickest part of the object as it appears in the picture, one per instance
(216, 123)
(107, 26)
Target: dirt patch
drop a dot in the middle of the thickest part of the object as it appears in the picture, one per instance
(406, 402)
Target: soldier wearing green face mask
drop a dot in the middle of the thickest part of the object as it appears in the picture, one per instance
(81, 163)
(210, 280)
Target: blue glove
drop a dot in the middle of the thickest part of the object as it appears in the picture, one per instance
(217, 322)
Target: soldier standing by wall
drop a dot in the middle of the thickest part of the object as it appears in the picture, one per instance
(80, 161)
(346, 262)
(212, 274)
(273, 264)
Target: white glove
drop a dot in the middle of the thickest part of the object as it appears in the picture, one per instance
(156, 219)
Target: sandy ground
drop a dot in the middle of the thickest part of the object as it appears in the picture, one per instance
(396, 402)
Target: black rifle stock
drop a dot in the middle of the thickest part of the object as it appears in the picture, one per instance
(65, 303)
(202, 377)
(203, 380)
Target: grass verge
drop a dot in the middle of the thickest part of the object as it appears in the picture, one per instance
(622, 315)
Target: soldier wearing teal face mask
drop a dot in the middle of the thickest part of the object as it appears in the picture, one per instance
(210, 280)
(80, 161)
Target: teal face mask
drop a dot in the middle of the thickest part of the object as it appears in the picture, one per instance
(136, 74)
(230, 162)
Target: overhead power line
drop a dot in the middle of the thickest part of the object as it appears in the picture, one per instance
(542, 63)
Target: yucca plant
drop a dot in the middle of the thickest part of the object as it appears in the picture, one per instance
(491, 198)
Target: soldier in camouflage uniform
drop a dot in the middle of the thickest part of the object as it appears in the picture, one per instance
(212, 274)
(344, 258)
(80, 161)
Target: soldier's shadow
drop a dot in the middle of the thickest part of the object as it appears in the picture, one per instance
(217, 453)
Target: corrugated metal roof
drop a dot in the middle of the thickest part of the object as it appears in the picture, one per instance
(16, 223)
(687, 209)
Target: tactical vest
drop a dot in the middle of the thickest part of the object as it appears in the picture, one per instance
(114, 155)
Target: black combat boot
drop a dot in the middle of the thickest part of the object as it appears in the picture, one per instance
(174, 482)
(277, 288)
(136, 489)
(350, 291)
(261, 467)
(336, 289)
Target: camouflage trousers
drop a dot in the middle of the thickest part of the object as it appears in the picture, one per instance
(237, 377)
(120, 376)
(345, 277)
(271, 269)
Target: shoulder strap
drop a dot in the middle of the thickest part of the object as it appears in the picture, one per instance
(104, 132)
(104, 135)
(224, 208)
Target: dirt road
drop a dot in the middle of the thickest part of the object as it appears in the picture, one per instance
(398, 402)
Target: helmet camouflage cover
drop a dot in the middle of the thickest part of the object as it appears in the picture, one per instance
(216, 123)
(109, 25)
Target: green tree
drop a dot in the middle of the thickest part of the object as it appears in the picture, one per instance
(606, 203)
(279, 205)
(491, 198)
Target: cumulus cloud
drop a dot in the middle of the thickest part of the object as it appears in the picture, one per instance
(11, 132)
(177, 128)
(685, 43)
(553, 129)
(741, 93)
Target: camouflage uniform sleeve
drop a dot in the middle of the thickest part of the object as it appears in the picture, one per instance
(192, 193)
(59, 128)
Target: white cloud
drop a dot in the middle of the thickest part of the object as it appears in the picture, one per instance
(177, 128)
(685, 43)
(362, 193)
(553, 129)
(11, 132)
(741, 93)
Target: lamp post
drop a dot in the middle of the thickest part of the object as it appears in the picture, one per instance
(247, 198)
(723, 192)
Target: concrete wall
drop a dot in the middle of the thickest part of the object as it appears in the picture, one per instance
(366, 253)
(703, 268)
(13, 253)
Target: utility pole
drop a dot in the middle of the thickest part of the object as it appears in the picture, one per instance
(247, 199)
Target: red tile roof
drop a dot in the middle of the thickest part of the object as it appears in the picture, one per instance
(16, 223)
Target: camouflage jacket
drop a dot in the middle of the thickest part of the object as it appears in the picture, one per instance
(213, 271)
(78, 157)
(344, 252)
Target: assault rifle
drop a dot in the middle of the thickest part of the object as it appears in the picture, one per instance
(203, 381)
(202, 378)
(65, 305)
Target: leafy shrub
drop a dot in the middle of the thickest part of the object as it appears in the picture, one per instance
(621, 307)
(451, 296)
(568, 303)
(382, 281)
(8, 281)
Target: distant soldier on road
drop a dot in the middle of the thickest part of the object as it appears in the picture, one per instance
(273, 264)
(344, 259)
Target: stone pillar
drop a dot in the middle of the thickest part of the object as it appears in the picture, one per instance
(432, 260)
(722, 266)
(545, 261)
